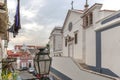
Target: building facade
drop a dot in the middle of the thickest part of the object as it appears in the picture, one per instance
(72, 33)
(107, 44)
(27, 55)
(55, 42)
(4, 37)
(92, 36)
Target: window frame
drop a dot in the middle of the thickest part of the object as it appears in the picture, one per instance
(66, 42)
(88, 20)
(76, 37)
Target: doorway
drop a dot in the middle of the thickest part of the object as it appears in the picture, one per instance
(70, 50)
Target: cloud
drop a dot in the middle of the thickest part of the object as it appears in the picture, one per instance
(11, 4)
(111, 4)
(28, 13)
(33, 26)
(39, 17)
(31, 9)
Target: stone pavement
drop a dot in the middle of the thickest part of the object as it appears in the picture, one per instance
(25, 75)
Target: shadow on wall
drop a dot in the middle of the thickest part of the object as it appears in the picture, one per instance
(103, 71)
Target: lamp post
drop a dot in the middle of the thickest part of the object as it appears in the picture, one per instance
(42, 63)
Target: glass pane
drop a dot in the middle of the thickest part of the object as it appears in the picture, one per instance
(37, 67)
(47, 66)
(43, 57)
(42, 67)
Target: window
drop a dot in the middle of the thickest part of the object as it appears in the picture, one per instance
(65, 42)
(70, 26)
(91, 18)
(88, 20)
(76, 37)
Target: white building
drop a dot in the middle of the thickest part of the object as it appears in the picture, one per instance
(108, 43)
(80, 37)
(72, 34)
(55, 42)
(92, 37)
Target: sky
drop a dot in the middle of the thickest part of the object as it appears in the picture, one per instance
(39, 17)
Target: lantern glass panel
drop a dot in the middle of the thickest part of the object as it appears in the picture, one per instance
(36, 66)
(36, 63)
(47, 67)
(43, 57)
(42, 67)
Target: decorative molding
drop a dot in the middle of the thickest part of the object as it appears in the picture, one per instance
(69, 38)
(111, 18)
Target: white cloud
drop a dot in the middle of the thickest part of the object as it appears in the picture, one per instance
(19, 39)
(38, 17)
(111, 4)
(35, 4)
(11, 4)
(28, 13)
(31, 10)
(33, 26)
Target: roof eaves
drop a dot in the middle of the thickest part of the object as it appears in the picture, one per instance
(93, 7)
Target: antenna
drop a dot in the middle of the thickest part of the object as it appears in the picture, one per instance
(72, 5)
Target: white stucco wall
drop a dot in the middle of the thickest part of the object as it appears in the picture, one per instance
(104, 13)
(51, 46)
(65, 49)
(58, 42)
(4, 50)
(90, 35)
(110, 43)
(76, 20)
(90, 47)
(55, 42)
(111, 49)
(78, 54)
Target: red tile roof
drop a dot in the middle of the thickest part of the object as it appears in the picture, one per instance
(19, 46)
(10, 53)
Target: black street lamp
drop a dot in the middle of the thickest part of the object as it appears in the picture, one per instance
(42, 63)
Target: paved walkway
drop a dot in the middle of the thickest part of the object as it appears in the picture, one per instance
(25, 75)
(65, 67)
